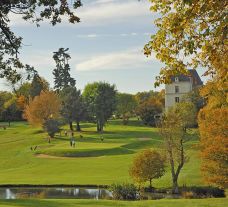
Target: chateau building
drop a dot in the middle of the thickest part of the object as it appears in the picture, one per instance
(181, 85)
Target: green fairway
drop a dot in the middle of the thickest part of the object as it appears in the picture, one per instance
(90, 162)
(213, 202)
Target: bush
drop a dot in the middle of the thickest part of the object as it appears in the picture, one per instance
(188, 194)
(51, 126)
(125, 191)
(203, 192)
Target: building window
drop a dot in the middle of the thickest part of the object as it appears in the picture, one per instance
(177, 89)
(176, 79)
(177, 99)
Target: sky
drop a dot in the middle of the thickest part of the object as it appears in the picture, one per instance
(107, 45)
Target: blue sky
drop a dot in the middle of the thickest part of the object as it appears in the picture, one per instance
(106, 46)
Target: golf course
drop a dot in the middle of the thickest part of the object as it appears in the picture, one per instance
(91, 162)
(28, 159)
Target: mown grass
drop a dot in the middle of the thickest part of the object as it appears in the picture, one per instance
(92, 161)
(221, 202)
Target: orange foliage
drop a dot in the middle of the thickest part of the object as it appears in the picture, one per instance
(147, 165)
(213, 126)
(21, 102)
(42, 107)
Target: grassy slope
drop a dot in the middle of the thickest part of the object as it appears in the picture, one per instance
(104, 203)
(96, 162)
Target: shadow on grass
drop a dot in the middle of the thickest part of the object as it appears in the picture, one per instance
(89, 153)
(137, 145)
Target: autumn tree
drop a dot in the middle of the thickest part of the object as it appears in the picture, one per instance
(126, 105)
(100, 98)
(190, 33)
(193, 33)
(62, 78)
(213, 119)
(34, 11)
(42, 108)
(148, 109)
(147, 166)
(174, 130)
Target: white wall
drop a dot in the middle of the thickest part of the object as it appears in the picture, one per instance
(184, 88)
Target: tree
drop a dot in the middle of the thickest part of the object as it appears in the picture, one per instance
(193, 33)
(214, 145)
(194, 97)
(61, 73)
(190, 33)
(148, 109)
(42, 108)
(213, 119)
(100, 98)
(72, 107)
(38, 84)
(34, 11)
(126, 105)
(147, 165)
(51, 126)
(174, 130)
(10, 110)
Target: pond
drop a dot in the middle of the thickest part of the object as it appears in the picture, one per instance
(54, 192)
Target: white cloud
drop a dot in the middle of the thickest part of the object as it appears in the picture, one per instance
(99, 12)
(117, 60)
(41, 60)
(107, 11)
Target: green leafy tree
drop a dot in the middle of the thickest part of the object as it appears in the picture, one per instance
(51, 126)
(24, 90)
(174, 130)
(72, 107)
(34, 11)
(194, 97)
(100, 98)
(62, 78)
(126, 105)
(147, 166)
(10, 110)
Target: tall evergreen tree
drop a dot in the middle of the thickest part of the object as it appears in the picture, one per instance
(61, 73)
(38, 84)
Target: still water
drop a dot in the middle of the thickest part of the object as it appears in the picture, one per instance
(39, 192)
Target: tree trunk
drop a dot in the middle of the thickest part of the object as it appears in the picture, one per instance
(78, 127)
(98, 127)
(175, 185)
(150, 183)
(71, 125)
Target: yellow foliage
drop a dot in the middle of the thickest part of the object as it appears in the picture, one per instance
(42, 107)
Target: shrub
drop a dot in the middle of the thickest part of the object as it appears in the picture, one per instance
(125, 191)
(188, 194)
(203, 192)
(51, 126)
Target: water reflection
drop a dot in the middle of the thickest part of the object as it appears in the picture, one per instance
(80, 193)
